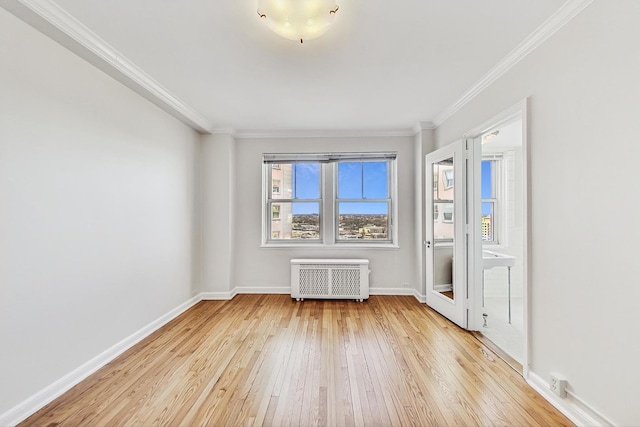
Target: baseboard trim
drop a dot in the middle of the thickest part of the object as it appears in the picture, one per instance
(443, 288)
(31, 405)
(217, 296)
(391, 291)
(399, 291)
(573, 407)
(262, 290)
(287, 290)
(420, 297)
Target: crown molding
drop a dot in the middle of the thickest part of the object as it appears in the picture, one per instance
(557, 21)
(356, 133)
(49, 18)
(422, 126)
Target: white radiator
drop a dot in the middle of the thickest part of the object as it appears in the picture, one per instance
(330, 278)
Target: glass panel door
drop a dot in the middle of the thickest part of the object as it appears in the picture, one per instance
(446, 236)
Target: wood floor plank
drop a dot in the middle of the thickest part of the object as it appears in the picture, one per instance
(268, 360)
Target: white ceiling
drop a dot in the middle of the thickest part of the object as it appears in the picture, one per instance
(385, 65)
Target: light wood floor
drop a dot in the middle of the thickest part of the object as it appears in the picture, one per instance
(267, 360)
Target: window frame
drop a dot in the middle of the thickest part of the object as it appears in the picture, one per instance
(269, 201)
(389, 201)
(328, 201)
(447, 179)
(497, 177)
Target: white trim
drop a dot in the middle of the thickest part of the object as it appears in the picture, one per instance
(444, 287)
(329, 246)
(422, 126)
(420, 297)
(262, 290)
(45, 396)
(53, 21)
(573, 407)
(515, 112)
(284, 290)
(217, 296)
(356, 133)
(392, 291)
(548, 28)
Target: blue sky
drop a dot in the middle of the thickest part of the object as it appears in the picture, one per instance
(356, 180)
(486, 186)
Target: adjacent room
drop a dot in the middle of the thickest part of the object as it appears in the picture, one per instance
(319, 212)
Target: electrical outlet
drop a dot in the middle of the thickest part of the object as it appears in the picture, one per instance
(558, 385)
(405, 285)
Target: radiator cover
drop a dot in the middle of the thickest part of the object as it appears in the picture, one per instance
(330, 278)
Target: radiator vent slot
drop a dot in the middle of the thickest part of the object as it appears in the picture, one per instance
(314, 281)
(330, 278)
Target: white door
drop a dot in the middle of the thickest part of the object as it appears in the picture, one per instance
(446, 239)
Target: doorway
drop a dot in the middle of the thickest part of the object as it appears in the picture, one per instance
(477, 266)
(502, 229)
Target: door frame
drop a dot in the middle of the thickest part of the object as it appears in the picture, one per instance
(454, 309)
(518, 111)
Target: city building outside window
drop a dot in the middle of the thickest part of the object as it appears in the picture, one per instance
(448, 178)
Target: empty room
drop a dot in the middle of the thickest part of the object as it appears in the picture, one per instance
(319, 212)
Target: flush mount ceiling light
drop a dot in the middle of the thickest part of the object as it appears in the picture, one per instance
(298, 20)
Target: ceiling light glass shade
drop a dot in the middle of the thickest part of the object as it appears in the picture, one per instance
(298, 19)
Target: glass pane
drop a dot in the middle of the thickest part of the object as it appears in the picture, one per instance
(487, 221)
(487, 190)
(306, 181)
(350, 180)
(281, 175)
(363, 220)
(375, 180)
(295, 181)
(295, 221)
(443, 227)
(443, 223)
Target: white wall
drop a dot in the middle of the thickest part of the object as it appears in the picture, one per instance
(584, 89)
(98, 224)
(256, 267)
(218, 203)
(424, 143)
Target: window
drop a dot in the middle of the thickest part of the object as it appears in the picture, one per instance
(362, 201)
(448, 178)
(447, 212)
(359, 206)
(435, 211)
(275, 186)
(490, 184)
(295, 205)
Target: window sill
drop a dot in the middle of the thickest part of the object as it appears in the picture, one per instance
(340, 246)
